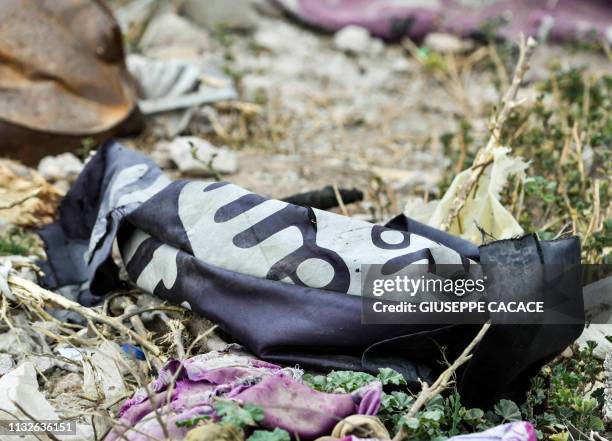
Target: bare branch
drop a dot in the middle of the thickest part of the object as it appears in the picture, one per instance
(485, 155)
(429, 392)
(30, 292)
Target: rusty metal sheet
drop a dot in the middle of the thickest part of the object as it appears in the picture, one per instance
(62, 69)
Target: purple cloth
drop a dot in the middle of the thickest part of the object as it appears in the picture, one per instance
(517, 431)
(286, 401)
(557, 20)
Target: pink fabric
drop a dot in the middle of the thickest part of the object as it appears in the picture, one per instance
(286, 401)
(560, 20)
(518, 431)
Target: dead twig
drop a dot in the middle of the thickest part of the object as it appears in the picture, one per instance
(340, 201)
(485, 154)
(429, 392)
(29, 292)
(21, 201)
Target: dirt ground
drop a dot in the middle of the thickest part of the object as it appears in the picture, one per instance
(371, 120)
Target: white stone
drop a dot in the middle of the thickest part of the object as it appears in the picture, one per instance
(169, 35)
(353, 39)
(192, 155)
(6, 363)
(161, 155)
(445, 43)
(60, 167)
(401, 65)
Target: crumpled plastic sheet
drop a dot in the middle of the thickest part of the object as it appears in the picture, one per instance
(557, 20)
(287, 402)
(284, 280)
(174, 84)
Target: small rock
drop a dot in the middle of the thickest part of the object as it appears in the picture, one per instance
(172, 36)
(70, 383)
(193, 156)
(446, 43)
(269, 39)
(567, 353)
(6, 363)
(161, 155)
(235, 14)
(61, 167)
(353, 39)
(401, 65)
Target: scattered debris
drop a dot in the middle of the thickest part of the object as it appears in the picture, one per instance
(64, 167)
(26, 198)
(71, 383)
(103, 374)
(21, 399)
(167, 85)
(354, 112)
(482, 211)
(197, 157)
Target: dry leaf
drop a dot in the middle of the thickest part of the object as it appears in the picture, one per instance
(26, 199)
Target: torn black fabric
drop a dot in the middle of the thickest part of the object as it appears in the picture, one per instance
(284, 280)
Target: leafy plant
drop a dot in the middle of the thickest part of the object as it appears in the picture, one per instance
(390, 376)
(566, 390)
(16, 241)
(508, 411)
(562, 398)
(349, 381)
(566, 136)
(192, 422)
(239, 416)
